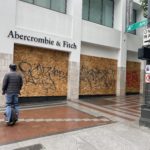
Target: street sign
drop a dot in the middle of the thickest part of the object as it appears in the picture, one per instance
(137, 25)
(147, 69)
(147, 78)
(146, 37)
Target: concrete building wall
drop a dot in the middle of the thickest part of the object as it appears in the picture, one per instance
(45, 21)
(133, 42)
(8, 19)
(89, 38)
(100, 35)
(99, 51)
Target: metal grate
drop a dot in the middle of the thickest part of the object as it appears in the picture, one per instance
(32, 147)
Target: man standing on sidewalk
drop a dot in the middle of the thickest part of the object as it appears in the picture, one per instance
(12, 84)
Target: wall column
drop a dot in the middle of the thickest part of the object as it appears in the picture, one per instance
(5, 60)
(6, 45)
(73, 80)
(75, 10)
(121, 69)
(122, 55)
(142, 76)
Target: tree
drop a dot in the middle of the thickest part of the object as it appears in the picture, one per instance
(144, 4)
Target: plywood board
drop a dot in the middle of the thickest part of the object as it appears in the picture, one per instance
(44, 71)
(133, 77)
(97, 76)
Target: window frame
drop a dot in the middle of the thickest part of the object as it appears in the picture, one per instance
(134, 13)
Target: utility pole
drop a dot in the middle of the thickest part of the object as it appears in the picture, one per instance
(144, 53)
(148, 17)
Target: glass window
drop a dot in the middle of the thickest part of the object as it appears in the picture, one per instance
(95, 11)
(43, 3)
(28, 1)
(99, 11)
(58, 5)
(86, 4)
(134, 16)
(133, 20)
(107, 13)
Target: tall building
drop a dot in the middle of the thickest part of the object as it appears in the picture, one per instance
(71, 48)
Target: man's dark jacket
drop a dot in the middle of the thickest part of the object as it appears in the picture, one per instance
(12, 83)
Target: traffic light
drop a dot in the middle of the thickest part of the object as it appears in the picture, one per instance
(144, 53)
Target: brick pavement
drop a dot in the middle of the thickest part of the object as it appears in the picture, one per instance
(44, 121)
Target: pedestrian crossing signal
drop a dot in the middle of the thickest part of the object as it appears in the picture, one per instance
(144, 53)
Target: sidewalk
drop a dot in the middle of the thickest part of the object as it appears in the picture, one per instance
(106, 123)
(116, 136)
(38, 122)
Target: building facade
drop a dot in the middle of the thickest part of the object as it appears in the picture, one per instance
(71, 48)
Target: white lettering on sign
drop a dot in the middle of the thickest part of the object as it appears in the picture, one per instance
(146, 37)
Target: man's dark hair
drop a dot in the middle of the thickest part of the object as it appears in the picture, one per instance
(13, 67)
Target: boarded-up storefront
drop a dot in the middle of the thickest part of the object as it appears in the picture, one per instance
(45, 71)
(133, 77)
(97, 76)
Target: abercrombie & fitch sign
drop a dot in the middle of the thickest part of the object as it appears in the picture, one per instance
(43, 40)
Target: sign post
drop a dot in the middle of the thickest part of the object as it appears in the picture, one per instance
(145, 108)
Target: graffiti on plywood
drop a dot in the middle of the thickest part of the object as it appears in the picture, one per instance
(38, 74)
(133, 77)
(97, 76)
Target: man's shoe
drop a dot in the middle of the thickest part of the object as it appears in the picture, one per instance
(10, 123)
(5, 117)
